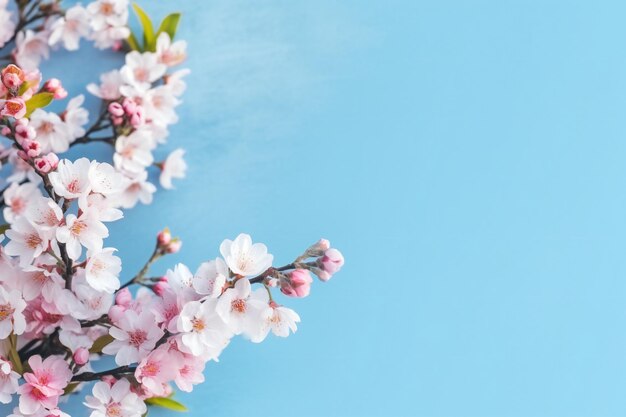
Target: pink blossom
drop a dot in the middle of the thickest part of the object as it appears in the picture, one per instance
(81, 356)
(332, 261)
(298, 284)
(45, 384)
(15, 107)
(12, 77)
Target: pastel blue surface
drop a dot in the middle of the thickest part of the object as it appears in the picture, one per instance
(468, 158)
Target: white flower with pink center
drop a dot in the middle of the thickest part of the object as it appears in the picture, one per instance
(239, 311)
(173, 167)
(109, 88)
(168, 52)
(108, 20)
(86, 230)
(190, 372)
(31, 47)
(7, 23)
(159, 104)
(52, 133)
(157, 369)
(69, 29)
(279, 320)
(142, 69)
(26, 241)
(203, 332)
(135, 336)
(210, 278)
(139, 190)
(75, 117)
(44, 384)
(105, 179)
(8, 381)
(103, 269)
(71, 179)
(17, 198)
(37, 281)
(245, 258)
(44, 212)
(115, 401)
(133, 153)
(12, 319)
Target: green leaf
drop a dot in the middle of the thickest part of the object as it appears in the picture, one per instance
(169, 25)
(166, 403)
(4, 228)
(25, 86)
(38, 101)
(132, 42)
(14, 357)
(149, 40)
(100, 343)
(70, 388)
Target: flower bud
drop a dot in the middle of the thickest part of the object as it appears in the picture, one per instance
(31, 147)
(123, 297)
(137, 119)
(317, 249)
(5, 131)
(129, 106)
(54, 86)
(81, 356)
(164, 237)
(14, 107)
(116, 109)
(332, 261)
(160, 287)
(24, 131)
(321, 274)
(12, 77)
(298, 284)
(174, 246)
(47, 163)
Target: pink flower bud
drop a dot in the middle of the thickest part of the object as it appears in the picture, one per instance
(52, 159)
(47, 163)
(123, 297)
(117, 46)
(12, 77)
(137, 119)
(117, 121)
(129, 106)
(31, 147)
(60, 94)
(298, 284)
(14, 107)
(174, 246)
(23, 155)
(116, 313)
(81, 356)
(160, 287)
(52, 85)
(332, 261)
(321, 274)
(6, 131)
(164, 237)
(24, 131)
(116, 109)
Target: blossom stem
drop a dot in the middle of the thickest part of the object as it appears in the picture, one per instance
(93, 376)
(142, 273)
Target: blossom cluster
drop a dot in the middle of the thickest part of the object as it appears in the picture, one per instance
(63, 306)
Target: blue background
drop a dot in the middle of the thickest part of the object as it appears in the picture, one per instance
(468, 158)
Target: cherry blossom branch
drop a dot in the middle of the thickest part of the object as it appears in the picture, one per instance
(94, 376)
(137, 279)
